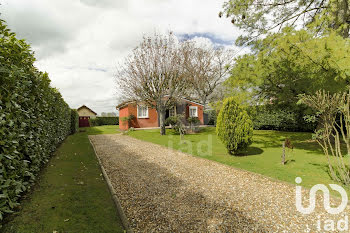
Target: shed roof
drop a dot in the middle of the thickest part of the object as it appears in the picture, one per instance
(87, 108)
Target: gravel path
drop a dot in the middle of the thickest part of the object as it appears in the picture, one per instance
(162, 190)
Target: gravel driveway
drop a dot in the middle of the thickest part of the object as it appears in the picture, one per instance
(162, 190)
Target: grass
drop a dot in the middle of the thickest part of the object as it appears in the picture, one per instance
(71, 194)
(263, 156)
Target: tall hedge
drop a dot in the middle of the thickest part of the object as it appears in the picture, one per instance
(269, 118)
(104, 121)
(234, 126)
(34, 119)
(74, 124)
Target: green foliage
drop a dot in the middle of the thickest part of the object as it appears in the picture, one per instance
(258, 17)
(234, 127)
(64, 185)
(290, 63)
(193, 120)
(74, 124)
(265, 118)
(194, 123)
(177, 123)
(128, 118)
(332, 133)
(172, 120)
(98, 121)
(34, 119)
(211, 116)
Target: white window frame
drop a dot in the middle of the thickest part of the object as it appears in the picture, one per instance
(193, 107)
(172, 109)
(138, 115)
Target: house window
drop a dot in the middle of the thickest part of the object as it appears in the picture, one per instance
(193, 111)
(142, 111)
(172, 112)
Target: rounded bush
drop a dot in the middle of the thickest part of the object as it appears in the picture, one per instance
(234, 127)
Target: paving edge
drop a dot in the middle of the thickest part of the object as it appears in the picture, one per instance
(121, 213)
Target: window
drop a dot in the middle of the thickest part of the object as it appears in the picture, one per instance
(193, 111)
(142, 111)
(172, 112)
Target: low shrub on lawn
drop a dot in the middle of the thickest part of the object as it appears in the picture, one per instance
(34, 119)
(177, 123)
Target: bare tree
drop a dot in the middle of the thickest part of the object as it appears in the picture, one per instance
(154, 74)
(206, 67)
(333, 133)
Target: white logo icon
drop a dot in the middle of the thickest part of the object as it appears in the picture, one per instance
(326, 202)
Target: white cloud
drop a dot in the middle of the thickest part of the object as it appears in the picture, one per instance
(79, 43)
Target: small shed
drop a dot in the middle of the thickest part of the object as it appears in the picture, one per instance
(85, 114)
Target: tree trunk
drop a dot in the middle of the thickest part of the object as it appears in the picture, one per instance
(204, 102)
(162, 113)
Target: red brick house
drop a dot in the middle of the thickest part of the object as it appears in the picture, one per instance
(144, 116)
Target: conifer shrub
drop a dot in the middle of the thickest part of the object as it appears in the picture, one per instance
(234, 127)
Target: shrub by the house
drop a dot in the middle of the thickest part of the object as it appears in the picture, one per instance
(177, 123)
(211, 114)
(34, 119)
(194, 123)
(234, 126)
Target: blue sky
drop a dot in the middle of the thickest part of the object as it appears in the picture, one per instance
(215, 39)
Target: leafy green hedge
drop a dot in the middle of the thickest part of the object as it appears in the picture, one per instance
(34, 119)
(278, 119)
(74, 123)
(104, 121)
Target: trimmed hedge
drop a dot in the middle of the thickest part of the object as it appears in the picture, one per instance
(104, 121)
(234, 126)
(74, 122)
(34, 119)
(278, 119)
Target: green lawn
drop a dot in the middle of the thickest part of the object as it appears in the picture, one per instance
(71, 194)
(264, 155)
